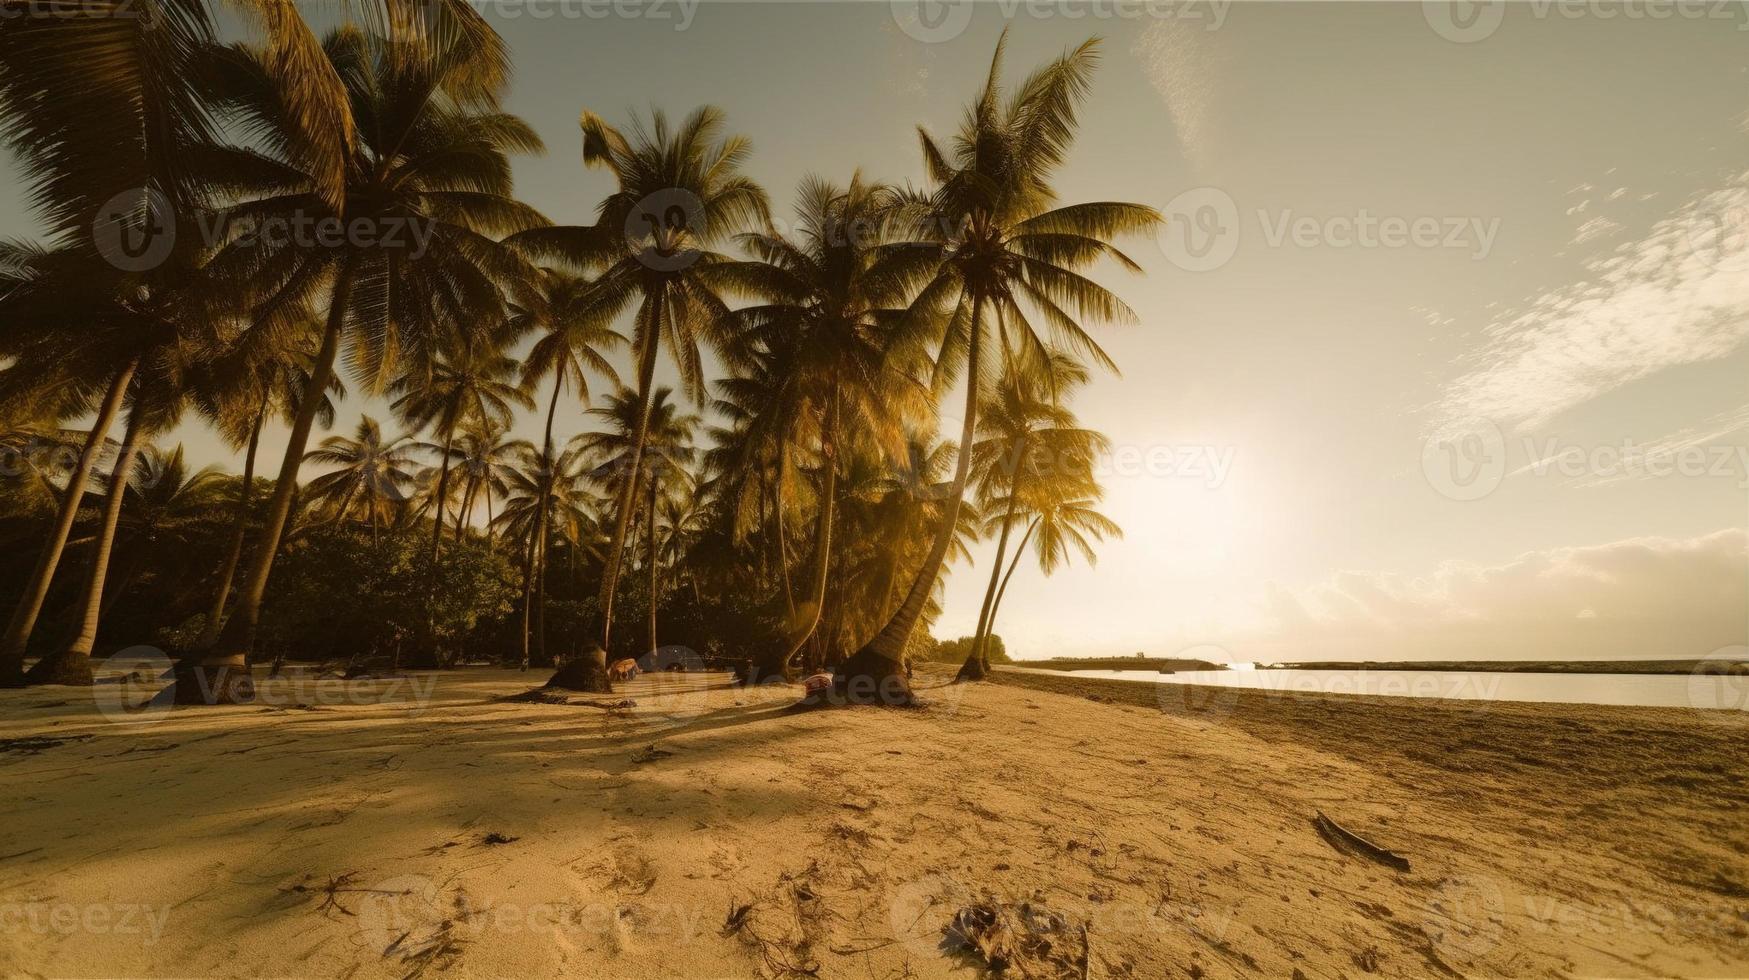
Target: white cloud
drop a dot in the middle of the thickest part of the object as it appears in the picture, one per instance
(1181, 59)
(1593, 228)
(1677, 296)
(1642, 597)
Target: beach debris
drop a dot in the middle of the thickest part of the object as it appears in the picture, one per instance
(1028, 939)
(650, 753)
(494, 839)
(817, 684)
(781, 959)
(1343, 839)
(33, 744)
(338, 885)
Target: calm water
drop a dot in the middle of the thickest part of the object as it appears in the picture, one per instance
(1652, 690)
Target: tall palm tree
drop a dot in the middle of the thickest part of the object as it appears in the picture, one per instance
(107, 166)
(541, 496)
(680, 191)
(642, 450)
(828, 332)
(169, 508)
(250, 384)
(369, 470)
(471, 382)
(1057, 527)
(482, 451)
(989, 243)
(1026, 436)
(433, 158)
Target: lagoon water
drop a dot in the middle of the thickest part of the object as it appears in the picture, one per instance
(1708, 691)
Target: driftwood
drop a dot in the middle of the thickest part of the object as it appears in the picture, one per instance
(1344, 839)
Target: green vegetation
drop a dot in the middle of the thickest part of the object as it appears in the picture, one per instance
(343, 205)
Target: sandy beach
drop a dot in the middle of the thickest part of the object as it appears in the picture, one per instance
(423, 826)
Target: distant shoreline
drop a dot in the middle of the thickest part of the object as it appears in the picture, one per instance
(1167, 665)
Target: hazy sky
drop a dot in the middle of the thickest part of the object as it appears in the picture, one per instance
(1416, 257)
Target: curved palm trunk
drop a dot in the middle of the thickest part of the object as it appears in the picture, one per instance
(215, 616)
(541, 659)
(789, 589)
(72, 664)
(1018, 552)
(442, 496)
(650, 544)
(977, 665)
(469, 490)
(42, 576)
(220, 676)
(628, 496)
(527, 596)
(822, 544)
(875, 673)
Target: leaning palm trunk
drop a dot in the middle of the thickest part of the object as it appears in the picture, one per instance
(822, 549)
(442, 496)
(220, 674)
(1010, 574)
(31, 603)
(875, 674)
(628, 495)
(72, 665)
(209, 634)
(977, 665)
(650, 543)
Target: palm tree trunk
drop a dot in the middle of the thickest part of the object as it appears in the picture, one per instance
(72, 665)
(977, 666)
(209, 633)
(822, 540)
(622, 521)
(540, 604)
(217, 679)
(461, 518)
(777, 507)
(42, 576)
(1012, 565)
(527, 595)
(442, 492)
(650, 543)
(876, 668)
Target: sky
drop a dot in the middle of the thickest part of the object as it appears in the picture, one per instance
(1442, 352)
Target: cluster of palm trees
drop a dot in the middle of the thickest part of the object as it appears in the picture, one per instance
(818, 496)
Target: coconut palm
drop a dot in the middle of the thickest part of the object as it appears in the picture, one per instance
(471, 382)
(1026, 436)
(169, 506)
(370, 470)
(679, 192)
(539, 497)
(828, 332)
(431, 163)
(482, 451)
(1057, 528)
(988, 244)
(641, 451)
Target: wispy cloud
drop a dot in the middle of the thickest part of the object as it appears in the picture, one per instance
(1679, 295)
(1182, 60)
(1643, 597)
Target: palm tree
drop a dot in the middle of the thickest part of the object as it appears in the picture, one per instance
(539, 497)
(169, 508)
(434, 159)
(828, 334)
(990, 242)
(370, 470)
(107, 165)
(469, 383)
(253, 382)
(679, 192)
(1027, 437)
(643, 470)
(1062, 526)
(482, 451)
